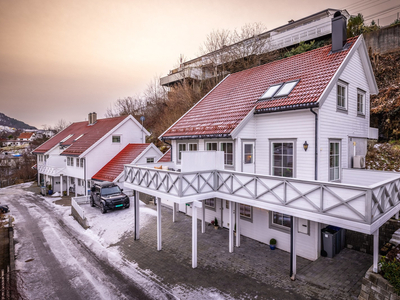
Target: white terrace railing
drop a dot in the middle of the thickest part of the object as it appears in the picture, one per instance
(362, 204)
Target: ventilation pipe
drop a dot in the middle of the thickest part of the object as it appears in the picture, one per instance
(339, 34)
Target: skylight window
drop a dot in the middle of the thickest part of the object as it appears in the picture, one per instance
(78, 137)
(286, 88)
(279, 90)
(271, 91)
(66, 138)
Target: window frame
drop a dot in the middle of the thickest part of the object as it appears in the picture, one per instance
(244, 217)
(149, 162)
(225, 153)
(343, 85)
(247, 153)
(277, 226)
(294, 155)
(211, 207)
(363, 102)
(339, 154)
(116, 136)
(211, 143)
(179, 154)
(190, 145)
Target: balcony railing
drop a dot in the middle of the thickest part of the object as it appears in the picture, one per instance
(356, 203)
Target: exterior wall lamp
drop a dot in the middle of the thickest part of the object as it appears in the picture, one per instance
(305, 146)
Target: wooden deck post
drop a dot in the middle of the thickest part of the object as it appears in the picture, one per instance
(293, 236)
(376, 250)
(136, 212)
(231, 224)
(159, 234)
(196, 204)
(237, 217)
(174, 212)
(203, 219)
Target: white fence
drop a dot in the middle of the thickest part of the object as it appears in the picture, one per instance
(75, 204)
(362, 204)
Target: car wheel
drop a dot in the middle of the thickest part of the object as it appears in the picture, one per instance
(127, 206)
(91, 202)
(102, 208)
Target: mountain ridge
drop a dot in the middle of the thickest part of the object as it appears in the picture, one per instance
(14, 123)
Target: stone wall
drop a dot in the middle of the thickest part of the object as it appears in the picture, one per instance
(385, 40)
(364, 242)
(374, 286)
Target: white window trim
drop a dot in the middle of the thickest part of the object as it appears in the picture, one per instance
(275, 226)
(340, 159)
(363, 94)
(233, 152)
(116, 135)
(214, 208)
(147, 158)
(206, 144)
(243, 217)
(189, 144)
(271, 156)
(346, 95)
(178, 151)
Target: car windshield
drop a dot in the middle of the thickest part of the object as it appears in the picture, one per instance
(110, 190)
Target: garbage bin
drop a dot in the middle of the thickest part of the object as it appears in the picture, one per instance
(340, 237)
(43, 190)
(328, 242)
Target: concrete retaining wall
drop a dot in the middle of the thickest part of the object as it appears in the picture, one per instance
(374, 286)
(385, 40)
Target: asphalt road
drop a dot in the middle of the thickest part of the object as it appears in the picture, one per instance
(54, 263)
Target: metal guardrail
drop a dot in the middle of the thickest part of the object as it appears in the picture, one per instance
(352, 202)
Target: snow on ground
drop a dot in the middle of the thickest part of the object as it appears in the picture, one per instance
(105, 230)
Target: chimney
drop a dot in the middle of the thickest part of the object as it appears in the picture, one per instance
(90, 121)
(94, 117)
(339, 35)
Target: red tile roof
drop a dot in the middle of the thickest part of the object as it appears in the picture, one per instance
(219, 112)
(25, 135)
(116, 165)
(89, 135)
(166, 157)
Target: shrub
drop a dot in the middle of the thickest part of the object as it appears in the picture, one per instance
(390, 268)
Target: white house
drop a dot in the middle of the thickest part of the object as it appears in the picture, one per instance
(72, 157)
(275, 152)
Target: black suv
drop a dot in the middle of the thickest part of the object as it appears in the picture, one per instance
(108, 195)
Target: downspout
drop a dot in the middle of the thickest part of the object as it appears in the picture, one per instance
(316, 144)
(170, 147)
(84, 175)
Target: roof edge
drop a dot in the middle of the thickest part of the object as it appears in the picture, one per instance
(198, 136)
(286, 108)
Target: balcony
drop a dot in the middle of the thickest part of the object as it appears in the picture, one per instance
(362, 202)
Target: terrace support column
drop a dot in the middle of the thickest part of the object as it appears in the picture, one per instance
(203, 219)
(376, 250)
(76, 187)
(196, 204)
(174, 212)
(237, 217)
(136, 207)
(38, 176)
(67, 185)
(61, 185)
(159, 233)
(293, 235)
(231, 225)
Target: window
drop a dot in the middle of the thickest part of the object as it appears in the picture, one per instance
(341, 95)
(245, 211)
(116, 139)
(211, 146)
(282, 159)
(210, 203)
(80, 182)
(181, 147)
(150, 160)
(68, 161)
(280, 221)
(248, 153)
(360, 102)
(77, 162)
(192, 147)
(228, 153)
(72, 161)
(279, 90)
(334, 161)
(71, 180)
(286, 89)
(81, 165)
(271, 91)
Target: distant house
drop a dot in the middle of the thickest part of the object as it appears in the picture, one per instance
(25, 138)
(277, 151)
(70, 159)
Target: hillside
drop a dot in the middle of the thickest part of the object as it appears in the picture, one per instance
(14, 123)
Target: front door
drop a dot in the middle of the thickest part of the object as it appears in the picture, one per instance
(248, 159)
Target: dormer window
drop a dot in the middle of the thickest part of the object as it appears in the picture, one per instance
(279, 90)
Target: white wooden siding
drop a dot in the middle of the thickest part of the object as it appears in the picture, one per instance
(334, 124)
(299, 125)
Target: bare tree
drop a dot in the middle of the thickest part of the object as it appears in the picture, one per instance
(61, 125)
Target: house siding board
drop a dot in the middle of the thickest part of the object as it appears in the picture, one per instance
(106, 150)
(275, 126)
(335, 124)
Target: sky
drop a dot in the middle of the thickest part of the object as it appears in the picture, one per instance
(61, 59)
